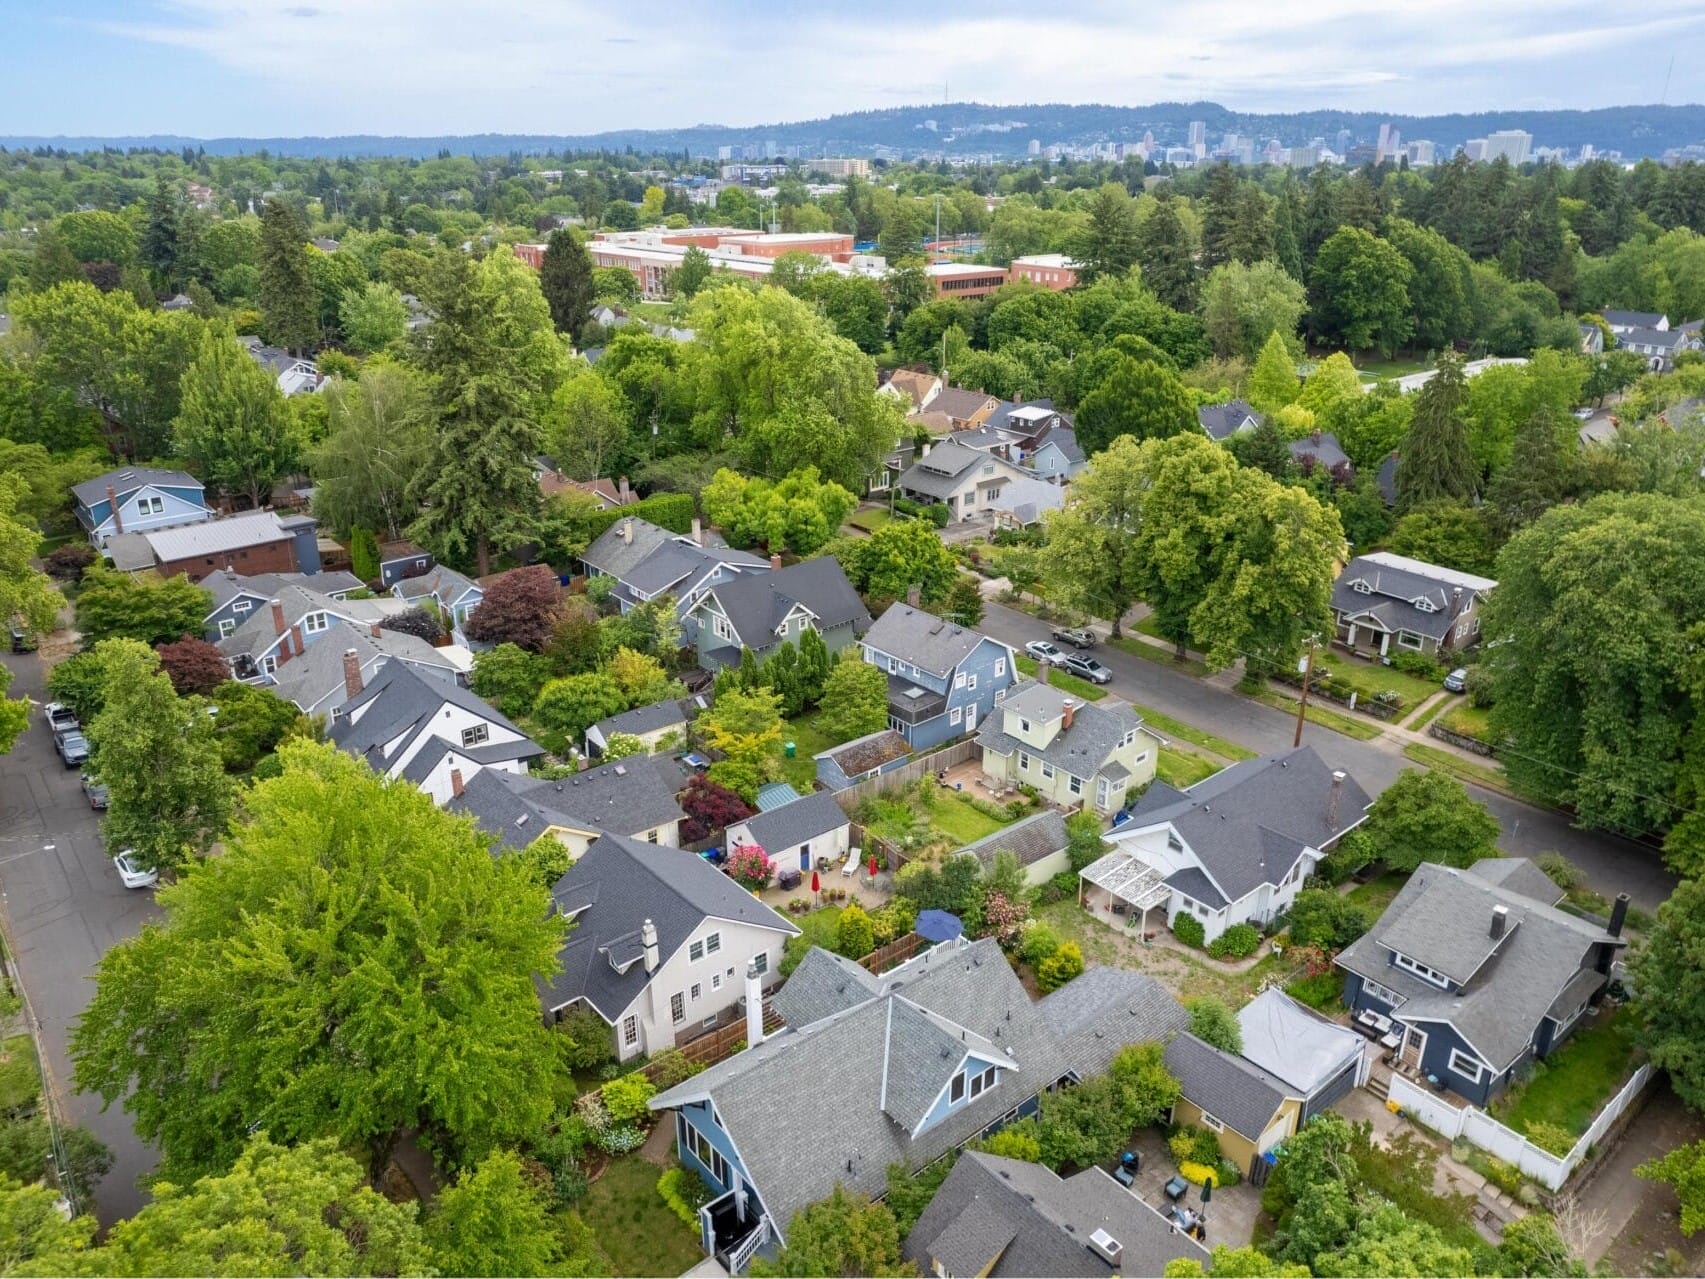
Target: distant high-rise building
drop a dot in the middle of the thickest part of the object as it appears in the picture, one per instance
(1387, 143)
(1199, 137)
(1341, 143)
(1420, 153)
(1475, 149)
(1304, 157)
(1512, 144)
(1588, 152)
(1035, 147)
(725, 153)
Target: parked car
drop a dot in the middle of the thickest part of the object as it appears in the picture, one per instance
(131, 873)
(73, 747)
(1087, 668)
(1457, 680)
(1043, 651)
(59, 717)
(22, 640)
(1581, 414)
(96, 792)
(1076, 636)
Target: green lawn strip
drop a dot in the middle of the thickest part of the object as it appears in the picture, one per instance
(1182, 768)
(1463, 770)
(1470, 721)
(1571, 1085)
(821, 926)
(1063, 680)
(1391, 368)
(633, 1226)
(1316, 714)
(954, 817)
(869, 520)
(1419, 724)
(1152, 653)
(20, 1077)
(1375, 895)
(1369, 679)
(1166, 726)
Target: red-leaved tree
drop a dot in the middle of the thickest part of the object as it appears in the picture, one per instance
(193, 665)
(519, 608)
(709, 807)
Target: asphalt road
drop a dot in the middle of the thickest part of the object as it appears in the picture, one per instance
(1612, 864)
(64, 908)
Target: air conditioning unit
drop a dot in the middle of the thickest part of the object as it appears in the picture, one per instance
(1106, 1247)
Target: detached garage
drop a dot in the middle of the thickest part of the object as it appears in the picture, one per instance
(1319, 1060)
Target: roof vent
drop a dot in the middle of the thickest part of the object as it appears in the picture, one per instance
(521, 820)
(621, 770)
(1105, 1246)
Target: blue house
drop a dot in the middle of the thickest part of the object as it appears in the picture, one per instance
(136, 500)
(455, 596)
(236, 596)
(1056, 455)
(943, 679)
(1478, 972)
(869, 756)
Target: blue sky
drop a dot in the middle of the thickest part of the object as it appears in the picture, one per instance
(289, 67)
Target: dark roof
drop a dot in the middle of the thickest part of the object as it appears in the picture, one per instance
(1082, 749)
(1233, 1090)
(1387, 478)
(757, 603)
(1063, 438)
(399, 703)
(1040, 835)
(226, 585)
(1323, 447)
(865, 754)
(1520, 875)
(922, 639)
(628, 797)
(1664, 338)
(941, 471)
(1405, 594)
(622, 883)
(792, 824)
(1632, 319)
(1099, 1012)
(617, 556)
(1004, 1217)
(1221, 421)
(648, 719)
(128, 480)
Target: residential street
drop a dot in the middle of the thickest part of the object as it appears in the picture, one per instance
(64, 907)
(1612, 864)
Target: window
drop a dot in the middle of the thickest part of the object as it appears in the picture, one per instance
(1212, 1124)
(1361, 588)
(713, 943)
(694, 992)
(1201, 910)
(1173, 843)
(1000, 667)
(695, 952)
(1128, 738)
(242, 606)
(476, 734)
(1047, 771)
(1143, 758)
(1468, 1067)
(1385, 994)
(150, 505)
(956, 1090)
(677, 1009)
(719, 626)
(716, 981)
(1023, 762)
(314, 623)
(1421, 970)
(970, 681)
(1408, 639)
(268, 665)
(707, 1154)
(982, 1082)
(651, 836)
(226, 626)
(1074, 784)
(761, 961)
(971, 497)
(956, 715)
(893, 666)
(959, 680)
(630, 1031)
(1023, 725)
(1101, 793)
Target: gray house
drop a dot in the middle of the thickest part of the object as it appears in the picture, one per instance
(811, 832)
(1381, 600)
(1478, 974)
(634, 797)
(648, 563)
(1322, 447)
(236, 596)
(965, 480)
(764, 610)
(1222, 421)
(943, 679)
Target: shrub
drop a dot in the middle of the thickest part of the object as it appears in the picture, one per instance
(1016, 1141)
(1037, 943)
(1549, 1136)
(1562, 872)
(625, 1098)
(854, 936)
(685, 1193)
(750, 867)
(587, 1043)
(1214, 1023)
(1418, 664)
(70, 560)
(1188, 929)
(620, 1139)
(672, 1067)
(1060, 967)
(1319, 992)
(893, 920)
(1478, 686)
(1191, 1144)
(1323, 917)
(1237, 942)
(1197, 1173)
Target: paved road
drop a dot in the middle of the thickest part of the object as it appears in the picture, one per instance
(1612, 864)
(64, 908)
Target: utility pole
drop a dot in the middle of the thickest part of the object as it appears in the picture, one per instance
(1302, 706)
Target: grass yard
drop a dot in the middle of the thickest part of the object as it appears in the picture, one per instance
(1469, 720)
(1361, 729)
(954, 817)
(1420, 722)
(1368, 678)
(633, 1226)
(1166, 726)
(1487, 775)
(1149, 653)
(1181, 768)
(821, 926)
(869, 520)
(1064, 681)
(20, 1080)
(807, 741)
(1570, 1086)
(1375, 369)
(1375, 895)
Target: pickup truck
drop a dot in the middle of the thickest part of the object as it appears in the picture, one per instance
(1076, 636)
(60, 718)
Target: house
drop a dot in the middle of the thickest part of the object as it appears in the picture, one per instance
(1056, 455)
(1248, 1110)
(293, 375)
(1003, 1217)
(964, 479)
(1319, 449)
(608, 494)
(764, 610)
(655, 725)
(1022, 502)
(648, 563)
(914, 388)
(916, 1062)
(430, 732)
(1075, 755)
(1621, 322)
(254, 542)
(1381, 598)
(811, 832)
(346, 658)
(1592, 339)
(237, 595)
(963, 409)
(398, 560)
(1314, 1059)
(1658, 346)
(136, 500)
(1478, 975)
(943, 679)
(634, 798)
(294, 620)
(864, 757)
(1235, 847)
(661, 946)
(1039, 843)
(1222, 421)
(454, 596)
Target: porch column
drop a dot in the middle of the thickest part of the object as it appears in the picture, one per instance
(1384, 643)
(1351, 638)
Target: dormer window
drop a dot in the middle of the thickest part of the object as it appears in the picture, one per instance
(1023, 725)
(1360, 587)
(1425, 605)
(1426, 974)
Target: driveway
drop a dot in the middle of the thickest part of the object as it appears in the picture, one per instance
(1611, 864)
(64, 908)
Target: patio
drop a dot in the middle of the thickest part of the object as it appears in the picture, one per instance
(1120, 891)
(1231, 1214)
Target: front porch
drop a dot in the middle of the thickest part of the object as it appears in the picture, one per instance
(733, 1230)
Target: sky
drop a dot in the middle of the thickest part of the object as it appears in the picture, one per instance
(285, 68)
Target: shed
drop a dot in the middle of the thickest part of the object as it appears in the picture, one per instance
(1319, 1060)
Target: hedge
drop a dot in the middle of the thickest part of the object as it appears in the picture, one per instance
(1237, 942)
(673, 511)
(1188, 929)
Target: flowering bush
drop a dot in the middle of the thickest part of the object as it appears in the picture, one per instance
(750, 867)
(1003, 918)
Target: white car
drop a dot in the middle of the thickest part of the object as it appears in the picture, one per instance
(131, 873)
(1043, 651)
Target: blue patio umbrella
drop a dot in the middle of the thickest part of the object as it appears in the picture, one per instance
(938, 925)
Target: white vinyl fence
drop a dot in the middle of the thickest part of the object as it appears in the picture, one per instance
(1478, 1128)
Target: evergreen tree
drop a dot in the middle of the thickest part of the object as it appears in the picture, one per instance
(288, 298)
(1273, 383)
(1536, 476)
(1108, 243)
(1219, 216)
(1435, 462)
(1167, 256)
(160, 236)
(1249, 238)
(1264, 448)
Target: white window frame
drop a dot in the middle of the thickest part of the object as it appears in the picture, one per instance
(314, 623)
(695, 991)
(1142, 759)
(1430, 975)
(1000, 667)
(982, 1081)
(677, 1008)
(1023, 762)
(1023, 725)
(959, 680)
(1047, 771)
(242, 606)
(226, 626)
(893, 666)
(630, 1031)
(720, 628)
(956, 715)
(1101, 792)
(1385, 994)
(695, 952)
(475, 734)
(712, 943)
(761, 961)
(716, 981)
(1457, 1067)
(268, 665)
(1211, 1124)
(1074, 784)
(1403, 638)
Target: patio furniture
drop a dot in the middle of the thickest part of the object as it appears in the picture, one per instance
(788, 879)
(1177, 1188)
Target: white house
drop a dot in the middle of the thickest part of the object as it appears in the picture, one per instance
(809, 832)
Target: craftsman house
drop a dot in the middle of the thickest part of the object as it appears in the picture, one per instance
(762, 610)
(633, 797)
(648, 563)
(1075, 755)
(295, 619)
(1222, 421)
(965, 480)
(943, 679)
(236, 596)
(1477, 972)
(1386, 603)
(453, 596)
(137, 499)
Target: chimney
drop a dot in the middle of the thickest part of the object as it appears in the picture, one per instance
(775, 561)
(456, 786)
(698, 531)
(1042, 672)
(648, 939)
(374, 627)
(1618, 915)
(1500, 921)
(351, 673)
(112, 505)
(1068, 709)
(627, 532)
(277, 617)
(1333, 803)
(1455, 600)
(914, 596)
(623, 489)
(754, 1005)
(296, 639)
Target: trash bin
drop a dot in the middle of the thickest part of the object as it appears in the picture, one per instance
(788, 749)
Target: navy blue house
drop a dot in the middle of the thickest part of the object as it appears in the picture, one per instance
(943, 679)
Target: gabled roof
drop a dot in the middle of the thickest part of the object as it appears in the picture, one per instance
(621, 883)
(922, 639)
(257, 633)
(616, 555)
(1099, 1012)
(867, 753)
(1404, 593)
(668, 713)
(216, 537)
(756, 604)
(226, 585)
(1322, 446)
(917, 386)
(628, 797)
(1063, 438)
(446, 583)
(941, 471)
(1222, 421)
(318, 673)
(1082, 749)
(400, 702)
(130, 478)
(1236, 1092)
(959, 403)
(1633, 319)
(1040, 835)
(1520, 875)
(792, 824)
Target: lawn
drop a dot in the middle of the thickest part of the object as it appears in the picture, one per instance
(1166, 726)
(633, 1226)
(1360, 729)
(1570, 1086)
(1469, 720)
(1463, 770)
(20, 1080)
(821, 926)
(1181, 768)
(954, 817)
(807, 741)
(1372, 368)
(1063, 680)
(869, 519)
(1432, 712)
(1368, 678)
(1375, 895)
(1149, 653)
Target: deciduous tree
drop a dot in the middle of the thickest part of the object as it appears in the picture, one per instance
(1669, 973)
(373, 316)
(494, 1221)
(1425, 816)
(1273, 381)
(845, 1234)
(745, 726)
(379, 440)
(855, 701)
(587, 427)
(1359, 291)
(573, 703)
(232, 425)
(518, 607)
(25, 594)
(1138, 398)
(900, 555)
(1244, 305)
(193, 665)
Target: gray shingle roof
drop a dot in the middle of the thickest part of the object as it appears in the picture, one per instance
(1394, 583)
(1040, 835)
(941, 472)
(922, 639)
(628, 797)
(226, 586)
(446, 583)
(863, 754)
(1236, 1092)
(1063, 438)
(757, 603)
(924, 1052)
(1520, 875)
(317, 675)
(627, 882)
(401, 703)
(668, 713)
(792, 824)
(617, 556)
(1003, 1217)
(1221, 421)
(1322, 446)
(1633, 319)
(128, 479)
(1099, 1012)
(1082, 749)
(824, 984)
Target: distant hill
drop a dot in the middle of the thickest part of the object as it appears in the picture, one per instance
(968, 128)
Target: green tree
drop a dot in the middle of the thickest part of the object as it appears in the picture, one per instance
(1247, 1262)
(1093, 564)
(379, 440)
(493, 1221)
(1214, 1023)
(799, 513)
(587, 428)
(902, 235)
(118, 606)
(964, 603)
(1138, 398)
(745, 725)
(900, 555)
(156, 754)
(252, 721)
(573, 703)
(364, 554)
(1273, 382)
(1244, 306)
(26, 595)
(565, 278)
(35, 1238)
(1533, 1246)
(1441, 293)
(1435, 462)
(1684, 1169)
(161, 239)
(857, 307)
(1425, 816)
(510, 678)
(1538, 473)
(1387, 1242)
(373, 317)
(1359, 291)
(855, 701)
(854, 937)
(1166, 252)
(356, 963)
(94, 235)
(843, 1235)
(691, 275)
(1107, 243)
(288, 299)
(1669, 973)
(232, 426)
(1447, 533)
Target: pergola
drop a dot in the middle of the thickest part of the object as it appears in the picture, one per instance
(1128, 882)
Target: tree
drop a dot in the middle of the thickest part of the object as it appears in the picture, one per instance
(1447, 533)
(855, 701)
(853, 935)
(193, 665)
(690, 276)
(517, 608)
(565, 278)
(287, 296)
(115, 605)
(900, 555)
(843, 1235)
(1533, 1246)
(232, 426)
(745, 725)
(373, 317)
(856, 306)
(509, 677)
(1107, 244)
(355, 964)
(1214, 1023)
(1139, 398)
(902, 235)
(639, 675)
(25, 595)
(709, 808)
(1359, 291)
(1243, 306)
(1425, 816)
(1094, 564)
(379, 438)
(35, 1238)
(252, 721)
(1441, 293)
(418, 622)
(1061, 967)
(799, 273)
(1434, 461)
(1322, 917)
(587, 427)
(1537, 475)
(1684, 1169)
(1167, 254)
(364, 554)
(571, 704)
(1387, 1242)
(1669, 973)
(493, 1221)
(160, 241)
(168, 797)
(964, 603)
(1273, 382)
(799, 513)
(1247, 1262)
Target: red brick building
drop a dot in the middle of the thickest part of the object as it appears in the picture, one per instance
(254, 542)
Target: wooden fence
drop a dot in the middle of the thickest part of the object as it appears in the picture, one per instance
(709, 1047)
(906, 774)
(894, 953)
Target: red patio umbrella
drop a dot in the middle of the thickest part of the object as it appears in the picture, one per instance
(816, 884)
(873, 866)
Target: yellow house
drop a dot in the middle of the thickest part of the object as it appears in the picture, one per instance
(1091, 753)
(1249, 1110)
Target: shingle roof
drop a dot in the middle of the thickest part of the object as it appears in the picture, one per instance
(402, 703)
(317, 674)
(1322, 446)
(1395, 582)
(216, 537)
(128, 479)
(1221, 421)
(867, 753)
(757, 603)
(1040, 835)
(1236, 1092)
(959, 403)
(613, 555)
(1098, 1013)
(628, 882)
(1633, 319)
(941, 471)
(628, 797)
(922, 639)
(1003, 1217)
(792, 824)
(824, 984)
(1082, 749)
(1063, 438)
(258, 632)
(446, 583)
(648, 719)
(1520, 875)
(226, 585)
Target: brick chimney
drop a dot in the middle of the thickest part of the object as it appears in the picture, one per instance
(455, 783)
(1332, 804)
(112, 505)
(775, 561)
(914, 596)
(1068, 711)
(698, 531)
(294, 647)
(277, 617)
(627, 532)
(351, 673)
(622, 488)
